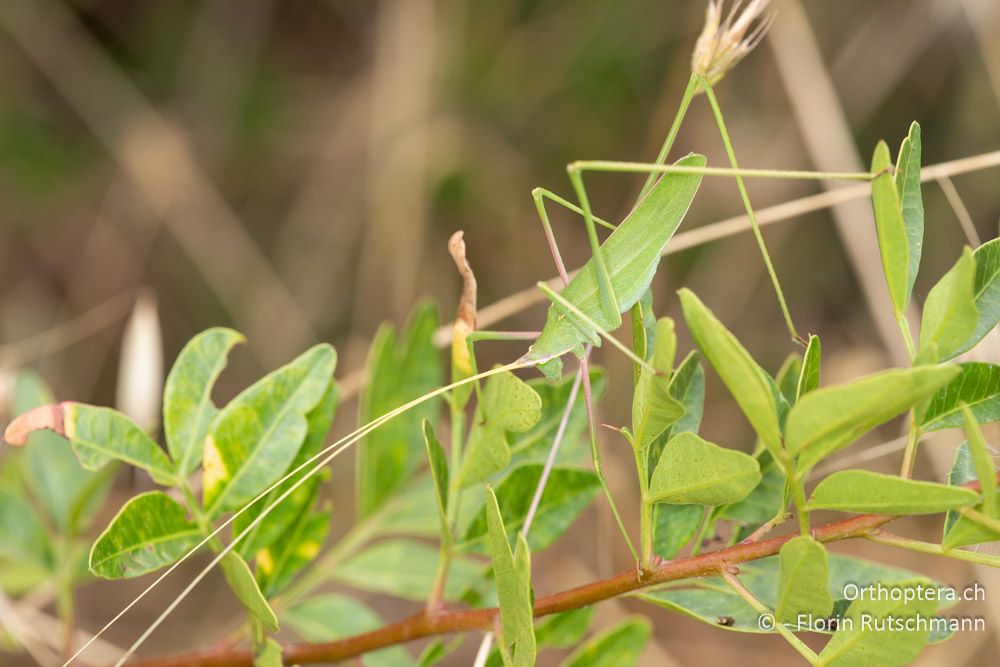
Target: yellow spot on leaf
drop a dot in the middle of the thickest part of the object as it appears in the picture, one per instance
(215, 469)
(308, 549)
(265, 562)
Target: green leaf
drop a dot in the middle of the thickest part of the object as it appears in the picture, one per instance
(983, 462)
(787, 377)
(243, 584)
(567, 493)
(70, 495)
(254, 438)
(302, 498)
(987, 291)
(859, 642)
(893, 236)
(404, 569)
(534, 444)
(866, 491)
(803, 586)
(950, 315)
(959, 531)
(564, 629)
(693, 471)
(631, 254)
(654, 408)
(399, 370)
(673, 527)
(831, 418)
(687, 387)
(331, 616)
(763, 503)
(507, 404)
(439, 475)
(643, 330)
(512, 572)
(745, 380)
(434, 653)
(907, 181)
(151, 531)
(978, 385)
(100, 435)
(413, 511)
(278, 563)
(620, 646)
(269, 655)
(22, 534)
(809, 378)
(187, 395)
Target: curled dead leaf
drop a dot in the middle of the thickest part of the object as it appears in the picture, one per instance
(465, 318)
(51, 417)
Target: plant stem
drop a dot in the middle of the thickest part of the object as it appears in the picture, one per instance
(699, 538)
(717, 112)
(883, 537)
(798, 492)
(446, 550)
(646, 528)
(759, 607)
(427, 625)
(904, 329)
(912, 440)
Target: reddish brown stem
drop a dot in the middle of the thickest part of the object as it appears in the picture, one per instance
(427, 625)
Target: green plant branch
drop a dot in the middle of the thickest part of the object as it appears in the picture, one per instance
(883, 537)
(761, 608)
(424, 624)
(912, 440)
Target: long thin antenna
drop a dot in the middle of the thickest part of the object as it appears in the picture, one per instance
(332, 449)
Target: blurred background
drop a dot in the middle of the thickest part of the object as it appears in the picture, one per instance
(294, 169)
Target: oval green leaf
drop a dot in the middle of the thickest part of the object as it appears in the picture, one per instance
(693, 471)
(100, 435)
(151, 531)
(745, 380)
(978, 385)
(831, 418)
(187, 395)
(864, 491)
(803, 585)
(254, 438)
